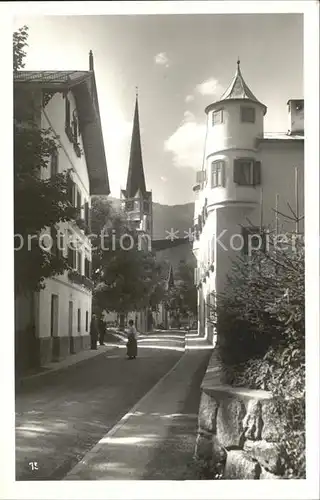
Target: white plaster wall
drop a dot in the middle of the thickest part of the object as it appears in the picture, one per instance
(81, 299)
(278, 162)
(232, 133)
(54, 116)
(231, 192)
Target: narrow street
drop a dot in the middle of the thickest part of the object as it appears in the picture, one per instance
(61, 415)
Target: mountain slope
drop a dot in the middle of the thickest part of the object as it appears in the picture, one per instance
(167, 217)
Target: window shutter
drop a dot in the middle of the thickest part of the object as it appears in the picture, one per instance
(70, 257)
(54, 163)
(86, 212)
(90, 269)
(70, 190)
(223, 173)
(67, 113)
(257, 173)
(236, 171)
(78, 199)
(54, 248)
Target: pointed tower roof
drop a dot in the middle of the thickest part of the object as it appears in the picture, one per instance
(136, 178)
(238, 89)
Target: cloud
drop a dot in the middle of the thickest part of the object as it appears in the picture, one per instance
(210, 87)
(162, 59)
(187, 143)
(164, 179)
(188, 116)
(117, 136)
(189, 98)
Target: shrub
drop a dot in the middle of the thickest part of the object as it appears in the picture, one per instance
(261, 341)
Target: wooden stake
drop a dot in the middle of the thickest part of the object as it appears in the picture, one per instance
(277, 214)
(261, 210)
(297, 199)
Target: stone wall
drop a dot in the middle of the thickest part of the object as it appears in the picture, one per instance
(239, 429)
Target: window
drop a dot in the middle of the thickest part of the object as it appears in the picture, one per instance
(217, 174)
(247, 172)
(217, 117)
(79, 320)
(248, 115)
(146, 206)
(86, 213)
(68, 128)
(136, 205)
(253, 239)
(54, 315)
(54, 163)
(87, 320)
(79, 262)
(75, 128)
(201, 176)
(71, 254)
(57, 242)
(129, 205)
(67, 113)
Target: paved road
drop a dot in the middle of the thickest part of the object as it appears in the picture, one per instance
(62, 415)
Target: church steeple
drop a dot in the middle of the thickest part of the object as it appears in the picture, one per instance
(136, 178)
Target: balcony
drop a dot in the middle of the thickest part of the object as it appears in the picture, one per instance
(80, 279)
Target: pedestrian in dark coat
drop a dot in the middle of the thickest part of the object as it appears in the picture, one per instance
(94, 331)
(102, 331)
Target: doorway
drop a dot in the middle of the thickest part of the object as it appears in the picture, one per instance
(70, 329)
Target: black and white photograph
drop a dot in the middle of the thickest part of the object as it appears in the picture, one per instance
(165, 265)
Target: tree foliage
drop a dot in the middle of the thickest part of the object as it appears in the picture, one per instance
(20, 38)
(125, 279)
(39, 203)
(260, 321)
(182, 297)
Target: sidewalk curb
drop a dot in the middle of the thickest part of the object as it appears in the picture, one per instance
(122, 421)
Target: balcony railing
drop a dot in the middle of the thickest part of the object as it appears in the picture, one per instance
(80, 279)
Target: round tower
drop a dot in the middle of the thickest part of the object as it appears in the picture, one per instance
(234, 123)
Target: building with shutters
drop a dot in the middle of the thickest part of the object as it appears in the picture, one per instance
(247, 176)
(60, 314)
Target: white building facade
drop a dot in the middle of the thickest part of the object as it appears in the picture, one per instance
(67, 103)
(247, 176)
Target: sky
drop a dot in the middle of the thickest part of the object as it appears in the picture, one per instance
(180, 64)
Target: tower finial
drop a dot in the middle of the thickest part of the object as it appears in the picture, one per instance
(137, 91)
(238, 61)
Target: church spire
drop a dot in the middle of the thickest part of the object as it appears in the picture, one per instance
(136, 178)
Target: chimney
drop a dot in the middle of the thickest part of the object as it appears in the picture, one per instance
(296, 116)
(90, 61)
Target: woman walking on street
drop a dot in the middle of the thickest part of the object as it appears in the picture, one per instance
(132, 344)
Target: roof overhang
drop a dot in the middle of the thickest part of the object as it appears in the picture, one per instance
(85, 93)
(213, 105)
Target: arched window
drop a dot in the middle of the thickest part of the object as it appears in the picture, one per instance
(217, 173)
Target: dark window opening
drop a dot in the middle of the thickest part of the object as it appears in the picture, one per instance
(248, 115)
